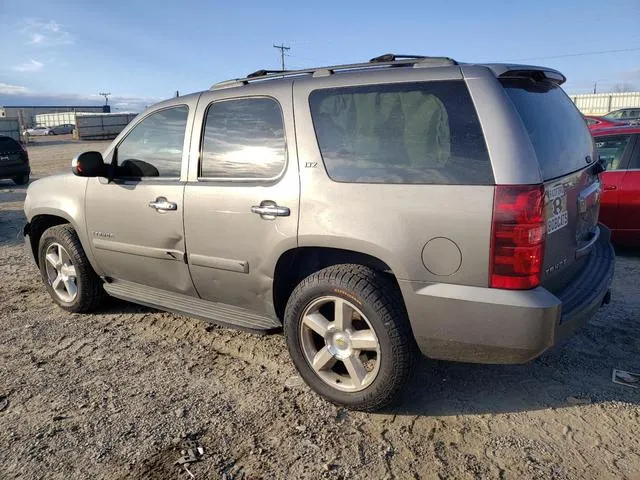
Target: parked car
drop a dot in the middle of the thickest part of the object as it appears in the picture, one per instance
(596, 123)
(371, 211)
(619, 148)
(624, 114)
(14, 161)
(63, 129)
(38, 131)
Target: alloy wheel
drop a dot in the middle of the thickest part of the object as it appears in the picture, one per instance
(340, 344)
(61, 273)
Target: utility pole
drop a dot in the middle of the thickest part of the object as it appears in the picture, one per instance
(282, 48)
(106, 97)
(595, 86)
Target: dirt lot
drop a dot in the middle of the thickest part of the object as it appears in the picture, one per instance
(120, 393)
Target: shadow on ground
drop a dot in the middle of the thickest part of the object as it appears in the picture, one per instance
(577, 371)
(10, 192)
(11, 225)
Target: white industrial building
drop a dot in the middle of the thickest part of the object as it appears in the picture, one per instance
(603, 103)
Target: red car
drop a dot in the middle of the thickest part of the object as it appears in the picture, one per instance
(619, 148)
(596, 123)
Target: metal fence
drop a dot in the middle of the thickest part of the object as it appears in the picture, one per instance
(102, 126)
(602, 103)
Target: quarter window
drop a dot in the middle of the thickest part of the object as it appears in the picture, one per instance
(420, 133)
(154, 147)
(611, 150)
(243, 138)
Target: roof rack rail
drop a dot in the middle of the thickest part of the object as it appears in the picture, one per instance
(392, 57)
(383, 61)
(262, 73)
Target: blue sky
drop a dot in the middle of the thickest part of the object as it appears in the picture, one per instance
(142, 51)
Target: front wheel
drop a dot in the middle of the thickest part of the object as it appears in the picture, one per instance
(66, 271)
(348, 335)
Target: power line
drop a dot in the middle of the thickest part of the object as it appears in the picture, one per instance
(583, 54)
(282, 48)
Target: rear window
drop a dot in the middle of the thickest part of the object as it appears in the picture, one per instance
(556, 128)
(410, 133)
(8, 143)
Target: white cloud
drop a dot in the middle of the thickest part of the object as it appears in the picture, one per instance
(7, 89)
(16, 94)
(36, 38)
(30, 66)
(46, 34)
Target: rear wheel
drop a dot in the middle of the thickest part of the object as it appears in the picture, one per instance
(21, 179)
(349, 336)
(66, 271)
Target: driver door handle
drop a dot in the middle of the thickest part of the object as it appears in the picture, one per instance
(610, 187)
(161, 204)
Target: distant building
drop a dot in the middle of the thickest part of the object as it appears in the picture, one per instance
(27, 112)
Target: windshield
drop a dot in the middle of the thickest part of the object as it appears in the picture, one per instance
(556, 128)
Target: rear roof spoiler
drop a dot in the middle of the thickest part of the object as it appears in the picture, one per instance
(527, 71)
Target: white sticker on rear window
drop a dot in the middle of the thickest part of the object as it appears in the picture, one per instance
(556, 209)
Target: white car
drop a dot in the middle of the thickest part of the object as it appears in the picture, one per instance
(36, 131)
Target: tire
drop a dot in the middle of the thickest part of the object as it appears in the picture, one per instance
(21, 180)
(89, 293)
(51, 132)
(375, 304)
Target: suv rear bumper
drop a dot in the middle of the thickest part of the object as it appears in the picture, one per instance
(17, 170)
(485, 325)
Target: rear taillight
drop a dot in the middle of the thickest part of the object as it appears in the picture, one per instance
(517, 237)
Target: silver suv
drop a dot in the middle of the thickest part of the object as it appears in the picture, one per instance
(371, 211)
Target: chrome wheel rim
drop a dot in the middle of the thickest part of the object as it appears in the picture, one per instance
(61, 273)
(340, 344)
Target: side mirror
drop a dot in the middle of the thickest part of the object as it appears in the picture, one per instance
(89, 164)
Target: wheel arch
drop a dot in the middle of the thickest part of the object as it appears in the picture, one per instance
(39, 224)
(298, 263)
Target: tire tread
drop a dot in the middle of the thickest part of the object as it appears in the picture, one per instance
(382, 295)
(91, 294)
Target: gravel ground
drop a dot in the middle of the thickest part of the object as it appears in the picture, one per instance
(121, 393)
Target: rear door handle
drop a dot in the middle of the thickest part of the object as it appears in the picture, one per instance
(269, 210)
(610, 187)
(161, 204)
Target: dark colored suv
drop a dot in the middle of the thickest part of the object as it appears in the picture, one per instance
(14, 161)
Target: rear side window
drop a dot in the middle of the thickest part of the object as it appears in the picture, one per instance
(410, 133)
(556, 128)
(611, 150)
(243, 138)
(8, 144)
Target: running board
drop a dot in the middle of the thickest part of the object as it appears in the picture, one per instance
(218, 313)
